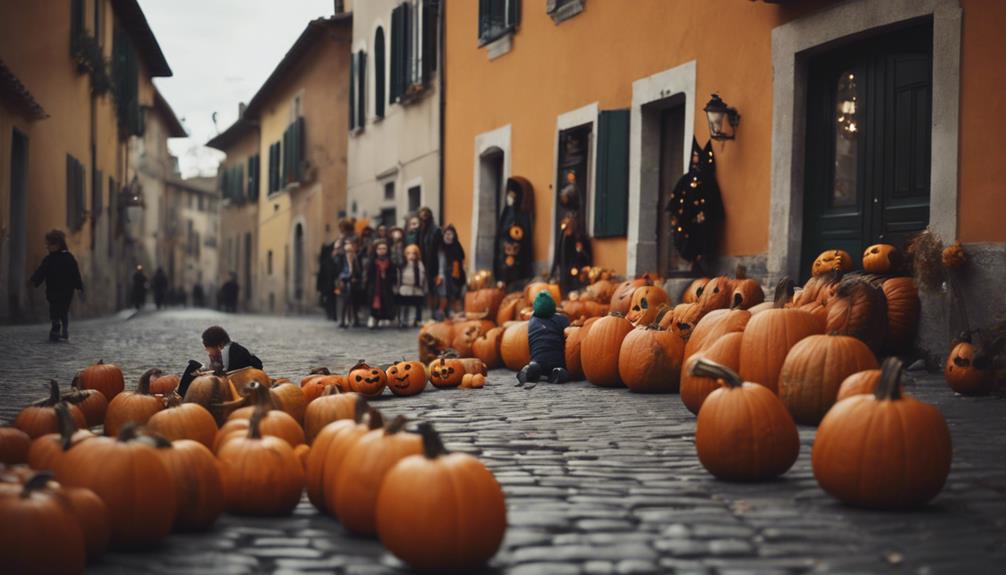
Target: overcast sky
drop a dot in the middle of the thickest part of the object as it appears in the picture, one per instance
(221, 51)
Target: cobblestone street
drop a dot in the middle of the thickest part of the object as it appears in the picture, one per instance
(597, 480)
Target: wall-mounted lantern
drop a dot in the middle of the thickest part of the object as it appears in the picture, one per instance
(716, 111)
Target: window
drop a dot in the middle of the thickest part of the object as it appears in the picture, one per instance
(379, 74)
(611, 201)
(497, 18)
(413, 48)
(293, 152)
(561, 10)
(275, 158)
(388, 216)
(74, 193)
(358, 91)
(389, 190)
(99, 17)
(253, 175)
(415, 198)
(268, 262)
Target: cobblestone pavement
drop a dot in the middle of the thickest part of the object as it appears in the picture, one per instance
(597, 480)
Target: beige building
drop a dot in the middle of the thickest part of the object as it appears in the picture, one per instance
(75, 87)
(190, 231)
(395, 111)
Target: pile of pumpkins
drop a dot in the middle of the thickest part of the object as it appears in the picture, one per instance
(166, 463)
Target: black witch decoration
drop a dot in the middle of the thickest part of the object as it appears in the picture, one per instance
(572, 256)
(696, 208)
(512, 254)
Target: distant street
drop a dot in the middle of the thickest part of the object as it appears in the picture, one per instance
(597, 480)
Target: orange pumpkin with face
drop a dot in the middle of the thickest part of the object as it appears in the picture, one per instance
(880, 259)
(366, 380)
(832, 260)
(407, 378)
(646, 300)
(446, 372)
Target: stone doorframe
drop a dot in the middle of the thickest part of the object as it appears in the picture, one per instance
(792, 44)
(483, 201)
(673, 85)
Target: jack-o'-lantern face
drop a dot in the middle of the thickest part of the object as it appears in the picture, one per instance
(446, 372)
(965, 373)
(516, 233)
(366, 380)
(407, 378)
(879, 258)
(644, 305)
(832, 260)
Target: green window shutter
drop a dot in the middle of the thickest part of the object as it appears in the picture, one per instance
(361, 80)
(513, 15)
(300, 142)
(76, 24)
(352, 91)
(611, 190)
(395, 91)
(379, 73)
(408, 58)
(284, 149)
(429, 38)
(485, 11)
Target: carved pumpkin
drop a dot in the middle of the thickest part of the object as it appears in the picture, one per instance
(473, 381)
(434, 338)
(132, 481)
(318, 380)
(860, 382)
(645, 302)
(903, 308)
(743, 432)
(464, 340)
(365, 465)
(884, 450)
(333, 405)
(725, 351)
(621, 298)
(45, 450)
(858, 309)
(366, 380)
(198, 486)
(133, 406)
(487, 348)
(716, 294)
(14, 445)
(426, 501)
(407, 378)
(39, 418)
(881, 259)
(694, 290)
(600, 348)
(446, 372)
(329, 449)
(105, 377)
(261, 474)
(91, 402)
(514, 347)
(747, 292)
(35, 513)
(215, 394)
(185, 421)
(831, 260)
(649, 360)
(961, 372)
(813, 371)
(769, 336)
(683, 317)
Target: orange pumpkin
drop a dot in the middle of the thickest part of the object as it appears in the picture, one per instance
(682, 318)
(133, 406)
(313, 386)
(484, 301)
(532, 289)
(860, 382)
(91, 402)
(329, 449)
(649, 360)
(574, 340)
(743, 432)
(473, 381)
(164, 384)
(198, 485)
(600, 348)
(45, 450)
(645, 302)
(903, 308)
(240, 379)
(964, 372)
(366, 380)
(426, 502)
(487, 348)
(14, 445)
(39, 418)
(333, 405)
(815, 368)
(105, 377)
(33, 513)
(509, 307)
(831, 260)
(712, 327)
(694, 290)
(514, 348)
(859, 309)
(185, 421)
(215, 394)
(407, 378)
(621, 298)
(747, 292)
(274, 422)
(881, 259)
(464, 340)
(716, 294)
(725, 351)
(289, 398)
(884, 450)
(446, 372)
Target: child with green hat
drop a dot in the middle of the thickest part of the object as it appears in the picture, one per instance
(545, 335)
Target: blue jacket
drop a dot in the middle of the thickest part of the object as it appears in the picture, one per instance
(545, 336)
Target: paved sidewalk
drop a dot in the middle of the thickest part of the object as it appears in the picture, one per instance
(597, 480)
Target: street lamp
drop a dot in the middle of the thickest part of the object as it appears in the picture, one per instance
(716, 111)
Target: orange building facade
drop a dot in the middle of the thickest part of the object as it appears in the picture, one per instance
(523, 79)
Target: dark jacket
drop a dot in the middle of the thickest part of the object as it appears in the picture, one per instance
(547, 340)
(381, 288)
(61, 275)
(239, 357)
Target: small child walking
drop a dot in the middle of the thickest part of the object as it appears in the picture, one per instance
(61, 276)
(451, 276)
(546, 338)
(412, 286)
(381, 279)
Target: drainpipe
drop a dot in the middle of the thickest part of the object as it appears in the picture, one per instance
(442, 104)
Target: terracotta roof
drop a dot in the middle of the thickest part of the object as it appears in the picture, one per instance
(18, 95)
(131, 15)
(312, 33)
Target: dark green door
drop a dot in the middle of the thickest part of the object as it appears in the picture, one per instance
(868, 144)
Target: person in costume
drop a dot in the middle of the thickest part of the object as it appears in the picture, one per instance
(696, 208)
(512, 255)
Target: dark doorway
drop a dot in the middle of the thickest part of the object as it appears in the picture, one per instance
(672, 128)
(491, 171)
(571, 181)
(298, 262)
(415, 198)
(18, 221)
(247, 288)
(868, 143)
(388, 217)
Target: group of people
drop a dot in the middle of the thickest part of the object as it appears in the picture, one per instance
(392, 273)
(164, 294)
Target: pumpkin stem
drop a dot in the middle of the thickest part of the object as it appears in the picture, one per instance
(783, 292)
(741, 272)
(254, 424)
(360, 364)
(75, 383)
(172, 399)
(702, 367)
(53, 393)
(319, 371)
(67, 427)
(374, 419)
(260, 394)
(360, 409)
(155, 440)
(396, 425)
(433, 446)
(616, 314)
(129, 432)
(143, 387)
(889, 386)
(37, 481)
(663, 310)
